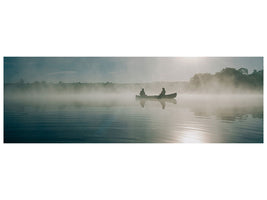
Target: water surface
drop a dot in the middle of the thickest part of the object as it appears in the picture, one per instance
(123, 119)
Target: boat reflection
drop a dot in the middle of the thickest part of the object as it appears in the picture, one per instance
(161, 101)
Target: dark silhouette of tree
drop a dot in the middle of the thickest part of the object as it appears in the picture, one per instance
(228, 78)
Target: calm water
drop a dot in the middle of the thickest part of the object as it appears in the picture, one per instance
(109, 119)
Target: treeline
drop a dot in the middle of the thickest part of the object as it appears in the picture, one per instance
(228, 80)
(77, 87)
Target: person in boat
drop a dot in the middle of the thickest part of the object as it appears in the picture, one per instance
(163, 92)
(142, 93)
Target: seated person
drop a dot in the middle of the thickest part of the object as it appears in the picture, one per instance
(142, 92)
(163, 92)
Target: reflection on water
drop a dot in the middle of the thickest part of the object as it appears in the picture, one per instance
(188, 119)
(191, 135)
(161, 101)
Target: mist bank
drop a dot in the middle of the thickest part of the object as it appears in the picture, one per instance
(228, 81)
(223, 107)
(91, 88)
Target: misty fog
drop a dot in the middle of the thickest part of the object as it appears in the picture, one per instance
(224, 106)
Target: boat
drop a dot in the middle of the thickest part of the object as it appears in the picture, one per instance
(167, 96)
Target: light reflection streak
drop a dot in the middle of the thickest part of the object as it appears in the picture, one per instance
(192, 135)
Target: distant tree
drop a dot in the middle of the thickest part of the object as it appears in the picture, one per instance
(228, 72)
(256, 78)
(200, 80)
(228, 78)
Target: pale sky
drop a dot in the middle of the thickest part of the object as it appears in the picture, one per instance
(119, 69)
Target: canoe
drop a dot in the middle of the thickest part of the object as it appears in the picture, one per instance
(168, 96)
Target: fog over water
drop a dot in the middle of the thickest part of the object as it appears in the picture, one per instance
(119, 117)
(93, 100)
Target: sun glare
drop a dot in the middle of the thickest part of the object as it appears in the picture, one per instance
(192, 135)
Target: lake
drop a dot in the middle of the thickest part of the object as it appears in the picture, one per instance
(123, 119)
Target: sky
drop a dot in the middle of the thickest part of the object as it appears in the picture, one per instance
(119, 69)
